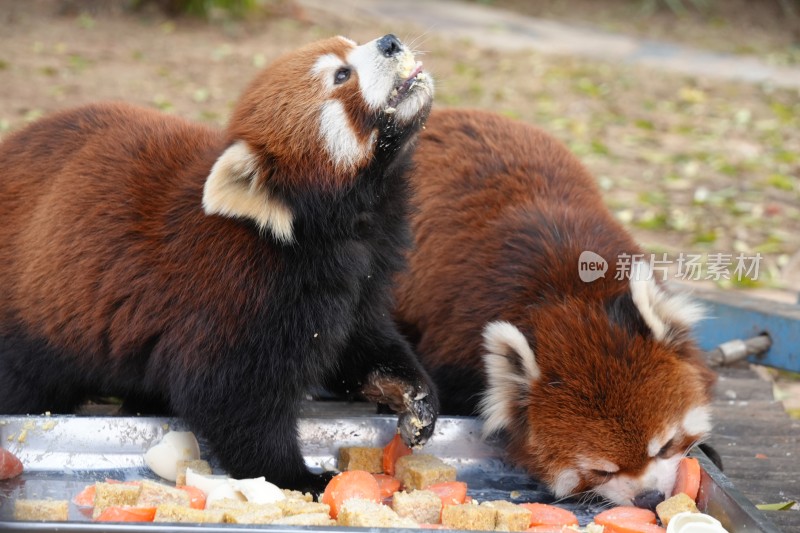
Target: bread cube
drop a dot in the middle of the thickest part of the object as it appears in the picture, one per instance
(154, 494)
(253, 514)
(297, 495)
(41, 510)
(510, 517)
(291, 507)
(197, 465)
(365, 513)
(678, 503)
(306, 519)
(422, 506)
(418, 471)
(114, 494)
(361, 458)
(469, 516)
(170, 512)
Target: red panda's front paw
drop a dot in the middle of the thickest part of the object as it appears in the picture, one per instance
(417, 422)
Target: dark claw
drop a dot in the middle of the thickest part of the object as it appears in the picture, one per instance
(417, 423)
(315, 484)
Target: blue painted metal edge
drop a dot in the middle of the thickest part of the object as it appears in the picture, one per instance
(732, 315)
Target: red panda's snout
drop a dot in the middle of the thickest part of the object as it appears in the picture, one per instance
(600, 399)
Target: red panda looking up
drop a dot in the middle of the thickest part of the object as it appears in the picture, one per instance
(219, 274)
(596, 384)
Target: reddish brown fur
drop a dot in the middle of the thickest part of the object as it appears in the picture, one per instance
(504, 212)
(117, 282)
(291, 117)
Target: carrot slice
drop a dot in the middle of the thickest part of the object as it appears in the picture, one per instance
(392, 452)
(85, 498)
(550, 515)
(632, 527)
(350, 484)
(450, 492)
(387, 484)
(197, 498)
(625, 514)
(688, 478)
(10, 466)
(127, 514)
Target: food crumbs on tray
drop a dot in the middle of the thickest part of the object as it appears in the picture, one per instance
(22, 435)
(50, 424)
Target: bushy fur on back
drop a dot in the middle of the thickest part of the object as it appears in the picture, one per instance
(596, 384)
(218, 274)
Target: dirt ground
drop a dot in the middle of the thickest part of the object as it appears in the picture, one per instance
(690, 165)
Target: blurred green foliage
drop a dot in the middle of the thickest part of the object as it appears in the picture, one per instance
(202, 8)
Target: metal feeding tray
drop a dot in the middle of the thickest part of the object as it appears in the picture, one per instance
(63, 454)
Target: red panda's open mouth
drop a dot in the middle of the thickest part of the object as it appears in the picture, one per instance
(399, 93)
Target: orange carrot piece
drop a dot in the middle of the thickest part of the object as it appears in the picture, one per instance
(127, 514)
(85, 498)
(10, 465)
(632, 527)
(197, 498)
(625, 514)
(350, 484)
(550, 515)
(688, 478)
(387, 484)
(450, 492)
(392, 452)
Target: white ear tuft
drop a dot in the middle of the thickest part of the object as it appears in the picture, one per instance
(510, 369)
(662, 311)
(232, 190)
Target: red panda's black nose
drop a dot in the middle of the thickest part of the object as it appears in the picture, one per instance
(389, 45)
(648, 499)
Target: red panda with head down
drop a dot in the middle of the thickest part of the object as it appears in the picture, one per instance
(596, 384)
(219, 274)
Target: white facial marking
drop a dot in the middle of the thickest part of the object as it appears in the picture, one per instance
(231, 190)
(697, 420)
(376, 73)
(506, 350)
(660, 310)
(325, 67)
(659, 475)
(565, 482)
(343, 146)
(597, 464)
(656, 443)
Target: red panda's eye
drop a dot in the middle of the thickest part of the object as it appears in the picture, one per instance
(664, 451)
(341, 76)
(602, 473)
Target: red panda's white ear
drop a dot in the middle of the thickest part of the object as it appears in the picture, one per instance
(667, 314)
(511, 369)
(233, 189)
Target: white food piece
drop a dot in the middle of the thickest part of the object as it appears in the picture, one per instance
(174, 446)
(224, 491)
(258, 490)
(688, 522)
(205, 483)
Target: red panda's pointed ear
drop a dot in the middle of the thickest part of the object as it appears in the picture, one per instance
(668, 315)
(511, 369)
(233, 189)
